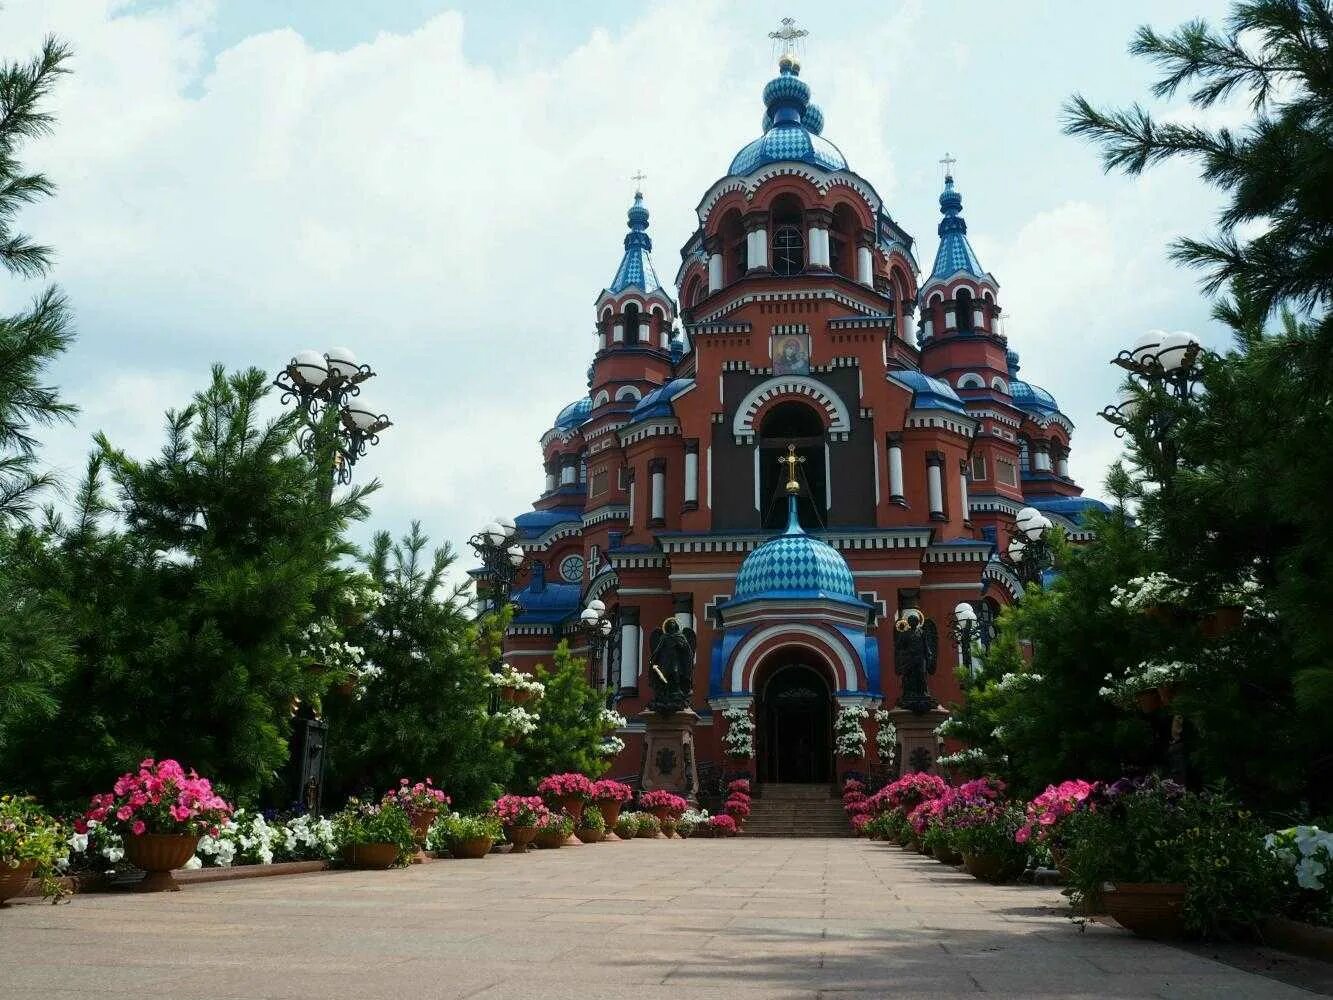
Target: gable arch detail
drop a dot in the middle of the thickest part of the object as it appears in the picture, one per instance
(792, 386)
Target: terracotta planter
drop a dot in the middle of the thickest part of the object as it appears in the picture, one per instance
(1166, 694)
(1149, 701)
(520, 837)
(1061, 862)
(514, 696)
(14, 880)
(589, 835)
(473, 848)
(991, 867)
(421, 824)
(159, 854)
(373, 857)
(684, 832)
(1149, 909)
(669, 825)
(549, 839)
(573, 807)
(610, 810)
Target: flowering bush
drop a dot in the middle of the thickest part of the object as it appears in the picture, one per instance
(558, 787)
(515, 720)
(1147, 591)
(627, 826)
(662, 799)
(323, 643)
(251, 839)
(519, 810)
(607, 790)
(849, 735)
(417, 800)
(722, 826)
(741, 785)
(160, 798)
(690, 820)
(912, 789)
(554, 826)
(886, 737)
(648, 824)
(738, 740)
(853, 785)
(371, 823)
(507, 678)
(986, 828)
(590, 820)
(453, 829)
(1306, 852)
(28, 833)
(737, 806)
(860, 821)
(1047, 810)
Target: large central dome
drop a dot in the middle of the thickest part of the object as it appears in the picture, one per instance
(795, 565)
(792, 127)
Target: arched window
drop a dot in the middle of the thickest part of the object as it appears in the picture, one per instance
(842, 241)
(601, 399)
(731, 236)
(792, 423)
(627, 392)
(998, 384)
(631, 324)
(788, 251)
(963, 310)
(971, 381)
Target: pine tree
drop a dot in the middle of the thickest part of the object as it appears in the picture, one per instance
(423, 709)
(571, 727)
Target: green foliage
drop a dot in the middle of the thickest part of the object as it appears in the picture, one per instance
(453, 829)
(627, 825)
(591, 819)
(423, 708)
(183, 600)
(647, 824)
(988, 831)
(371, 823)
(1158, 834)
(570, 727)
(29, 833)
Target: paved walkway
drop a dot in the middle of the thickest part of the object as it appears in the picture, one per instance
(738, 919)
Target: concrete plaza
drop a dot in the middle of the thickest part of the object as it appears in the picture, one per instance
(741, 918)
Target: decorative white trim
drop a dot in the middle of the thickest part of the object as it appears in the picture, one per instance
(741, 658)
(742, 427)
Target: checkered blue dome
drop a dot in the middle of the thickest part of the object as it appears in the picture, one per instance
(794, 565)
(792, 127)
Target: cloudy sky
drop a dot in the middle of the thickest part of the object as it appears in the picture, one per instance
(442, 187)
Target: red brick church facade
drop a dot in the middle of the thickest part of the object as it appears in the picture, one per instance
(801, 322)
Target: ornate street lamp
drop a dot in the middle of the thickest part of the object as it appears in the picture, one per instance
(1156, 361)
(595, 627)
(1029, 553)
(966, 632)
(501, 557)
(320, 383)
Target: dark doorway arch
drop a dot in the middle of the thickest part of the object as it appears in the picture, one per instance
(795, 732)
(793, 423)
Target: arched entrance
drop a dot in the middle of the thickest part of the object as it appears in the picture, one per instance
(795, 716)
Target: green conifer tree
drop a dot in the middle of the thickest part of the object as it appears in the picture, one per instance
(572, 724)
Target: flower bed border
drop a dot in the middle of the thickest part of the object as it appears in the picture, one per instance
(79, 884)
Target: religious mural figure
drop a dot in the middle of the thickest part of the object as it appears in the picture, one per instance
(915, 651)
(671, 670)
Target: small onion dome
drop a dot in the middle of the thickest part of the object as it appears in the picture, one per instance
(813, 119)
(791, 127)
(795, 565)
(573, 414)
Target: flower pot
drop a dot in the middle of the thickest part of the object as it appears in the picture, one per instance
(159, 854)
(376, 857)
(685, 832)
(948, 856)
(472, 848)
(912, 845)
(421, 823)
(589, 836)
(1149, 909)
(1060, 858)
(991, 867)
(520, 837)
(14, 880)
(610, 810)
(549, 839)
(515, 696)
(1149, 701)
(1166, 694)
(669, 825)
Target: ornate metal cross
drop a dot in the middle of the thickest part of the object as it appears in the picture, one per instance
(947, 162)
(788, 35)
(791, 460)
(638, 178)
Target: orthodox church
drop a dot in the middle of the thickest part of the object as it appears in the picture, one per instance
(805, 350)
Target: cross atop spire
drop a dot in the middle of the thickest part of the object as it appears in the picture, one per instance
(788, 37)
(947, 162)
(638, 177)
(791, 460)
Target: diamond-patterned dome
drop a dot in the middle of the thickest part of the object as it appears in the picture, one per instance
(795, 565)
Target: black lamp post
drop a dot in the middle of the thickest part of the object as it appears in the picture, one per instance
(1029, 553)
(320, 383)
(1164, 364)
(501, 558)
(966, 632)
(595, 627)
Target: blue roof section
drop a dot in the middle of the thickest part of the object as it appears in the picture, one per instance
(1027, 396)
(792, 127)
(658, 402)
(636, 267)
(955, 253)
(1073, 508)
(794, 565)
(535, 522)
(573, 414)
(928, 393)
(552, 604)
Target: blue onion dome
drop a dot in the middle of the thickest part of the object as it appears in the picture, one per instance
(951, 202)
(573, 414)
(813, 119)
(658, 402)
(637, 216)
(1025, 395)
(794, 564)
(792, 127)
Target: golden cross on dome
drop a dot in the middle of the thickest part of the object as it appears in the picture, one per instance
(788, 36)
(791, 460)
(947, 162)
(638, 178)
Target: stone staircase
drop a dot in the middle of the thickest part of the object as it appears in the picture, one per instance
(797, 811)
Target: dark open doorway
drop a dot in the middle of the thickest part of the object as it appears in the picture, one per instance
(796, 726)
(793, 423)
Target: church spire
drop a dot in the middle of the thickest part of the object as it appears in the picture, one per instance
(955, 253)
(636, 266)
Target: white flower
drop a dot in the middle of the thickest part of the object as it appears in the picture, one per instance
(1309, 874)
(78, 843)
(193, 863)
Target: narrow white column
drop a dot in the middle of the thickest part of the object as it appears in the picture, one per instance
(819, 247)
(714, 272)
(962, 492)
(631, 503)
(950, 316)
(567, 474)
(927, 328)
(976, 319)
(665, 337)
(691, 476)
(659, 494)
(935, 486)
(1041, 459)
(601, 340)
(629, 654)
(618, 333)
(645, 334)
(895, 469)
(552, 481)
(757, 249)
(1062, 466)
(864, 270)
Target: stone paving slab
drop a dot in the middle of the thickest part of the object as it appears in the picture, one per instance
(687, 920)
